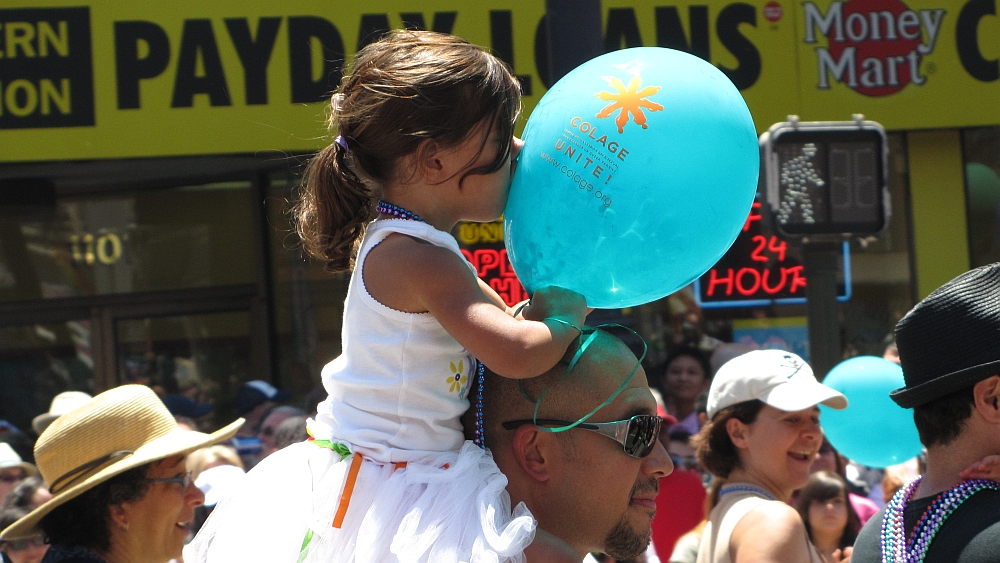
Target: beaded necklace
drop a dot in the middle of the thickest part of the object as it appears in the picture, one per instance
(480, 434)
(396, 211)
(746, 488)
(895, 547)
(480, 438)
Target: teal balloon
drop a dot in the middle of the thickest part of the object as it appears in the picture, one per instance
(872, 430)
(638, 171)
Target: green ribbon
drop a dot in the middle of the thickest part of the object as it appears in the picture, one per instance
(576, 358)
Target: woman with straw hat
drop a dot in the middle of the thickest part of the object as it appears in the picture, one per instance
(120, 490)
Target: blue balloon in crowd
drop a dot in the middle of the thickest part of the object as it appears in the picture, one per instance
(638, 171)
(872, 430)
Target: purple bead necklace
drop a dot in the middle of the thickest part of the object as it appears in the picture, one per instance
(396, 211)
(895, 547)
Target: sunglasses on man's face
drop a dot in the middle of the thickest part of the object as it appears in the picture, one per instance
(637, 435)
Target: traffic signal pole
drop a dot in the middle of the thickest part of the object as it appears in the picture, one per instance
(821, 261)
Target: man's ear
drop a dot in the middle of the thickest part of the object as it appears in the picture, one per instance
(987, 398)
(737, 432)
(533, 452)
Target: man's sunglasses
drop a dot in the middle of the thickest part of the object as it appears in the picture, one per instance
(637, 435)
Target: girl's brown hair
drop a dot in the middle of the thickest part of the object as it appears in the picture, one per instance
(823, 486)
(405, 88)
(713, 447)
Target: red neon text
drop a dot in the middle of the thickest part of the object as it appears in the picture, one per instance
(747, 281)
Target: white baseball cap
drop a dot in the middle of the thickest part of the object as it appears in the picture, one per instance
(780, 379)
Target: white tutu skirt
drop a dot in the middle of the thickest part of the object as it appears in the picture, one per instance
(304, 504)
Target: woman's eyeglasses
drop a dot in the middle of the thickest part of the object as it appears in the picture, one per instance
(184, 481)
(637, 435)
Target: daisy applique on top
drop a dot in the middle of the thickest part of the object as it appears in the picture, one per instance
(457, 380)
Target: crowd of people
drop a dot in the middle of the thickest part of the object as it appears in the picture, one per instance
(456, 428)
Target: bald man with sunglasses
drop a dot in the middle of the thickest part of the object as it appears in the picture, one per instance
(592, 486)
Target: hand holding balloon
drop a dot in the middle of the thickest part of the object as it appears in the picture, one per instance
(556, 302)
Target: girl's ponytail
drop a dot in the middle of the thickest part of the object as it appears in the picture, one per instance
(333, 208)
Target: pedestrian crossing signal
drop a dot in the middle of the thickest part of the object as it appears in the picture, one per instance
(827, 180)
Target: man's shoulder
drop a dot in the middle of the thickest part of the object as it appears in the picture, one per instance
(868, 546)
(971, 534)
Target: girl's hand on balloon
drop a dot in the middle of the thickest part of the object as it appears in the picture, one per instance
(556, 303)
(987, 468)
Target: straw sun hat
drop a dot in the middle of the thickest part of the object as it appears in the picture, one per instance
(118, 430)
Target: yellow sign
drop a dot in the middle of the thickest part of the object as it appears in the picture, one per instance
(133, 79)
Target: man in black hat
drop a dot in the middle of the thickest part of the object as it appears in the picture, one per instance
(949, 347)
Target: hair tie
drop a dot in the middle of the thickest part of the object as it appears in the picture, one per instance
(340, 140)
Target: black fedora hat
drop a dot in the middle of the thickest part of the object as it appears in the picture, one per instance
(951, 339)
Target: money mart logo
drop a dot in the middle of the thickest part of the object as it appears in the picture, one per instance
(875, 47)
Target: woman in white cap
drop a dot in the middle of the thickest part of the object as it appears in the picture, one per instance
(762, 436)
(120, 490)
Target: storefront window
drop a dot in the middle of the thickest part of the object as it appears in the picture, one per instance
(981, 151)
(202, 357)
(308, 301)
(121, 242)
(39, 361)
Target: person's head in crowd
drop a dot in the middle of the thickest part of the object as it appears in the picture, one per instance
(291, 431)
(25, 550)
(681, 451)
(254, 400)
(215, 455)
(116, 470)
(269, 427)
(590, 490)
(30, 493)
(61, 404)
(828, 459)
(764, 420)
(188, 410)
(951, 362)
(826, 511)
(13, 470)
(686, 375)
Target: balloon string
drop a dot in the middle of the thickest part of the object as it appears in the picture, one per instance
(572, 364)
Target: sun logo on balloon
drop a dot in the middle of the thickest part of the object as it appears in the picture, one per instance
(629, 100)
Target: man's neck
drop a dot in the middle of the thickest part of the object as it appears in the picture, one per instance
(945, 462)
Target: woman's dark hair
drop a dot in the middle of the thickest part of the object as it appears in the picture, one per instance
(713, 447)
(23, 493)
(823, 486)
(11, 514)
(401, 90)
(86, 520)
